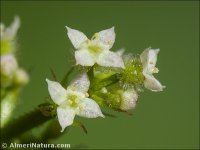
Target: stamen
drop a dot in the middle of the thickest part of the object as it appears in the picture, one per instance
(155, 70)
(87, 41)
(86, 95)
(74, 88)
(96, 35)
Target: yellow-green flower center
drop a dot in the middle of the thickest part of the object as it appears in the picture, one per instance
(94, 46)
(73, 100)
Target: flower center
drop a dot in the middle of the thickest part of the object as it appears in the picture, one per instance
(73, 100)
(94, 46)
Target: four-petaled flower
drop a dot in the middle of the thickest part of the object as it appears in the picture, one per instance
(73, 101)
(88, 52)
(149, 59)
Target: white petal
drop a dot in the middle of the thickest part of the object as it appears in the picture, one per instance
(8, 64)
(152, 84)
(107, 36)
(76, 37)
(80, 84)
(84, 58)
(129, 99)
(120, 52)
(56, 91)
(149, 59)
(65, 117)
(89, 108)
(110, 59)
(11, 31)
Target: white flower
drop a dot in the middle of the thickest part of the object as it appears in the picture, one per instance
(129, 99)
(95, 50)
(73, 101)
(149, 59)
(10, 32)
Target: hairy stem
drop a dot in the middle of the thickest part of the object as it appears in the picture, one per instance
(23, 124)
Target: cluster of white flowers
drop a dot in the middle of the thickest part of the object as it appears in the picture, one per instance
(10, 70)
(75, 99)
(13, 77)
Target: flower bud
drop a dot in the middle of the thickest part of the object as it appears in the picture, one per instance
(21, 77)
(131, 76)
(129, 99)
(8, 65)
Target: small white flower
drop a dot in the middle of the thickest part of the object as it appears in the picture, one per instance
(149, 59)
(10, 32)
(73, 101)
(95, 50)
(129, 99)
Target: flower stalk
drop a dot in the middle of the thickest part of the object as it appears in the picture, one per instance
(23, 124)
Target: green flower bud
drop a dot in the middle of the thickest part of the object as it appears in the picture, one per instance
(132, 76)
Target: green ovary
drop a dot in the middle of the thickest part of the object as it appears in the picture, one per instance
(132, 74)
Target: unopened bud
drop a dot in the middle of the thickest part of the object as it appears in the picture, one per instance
(21, 77)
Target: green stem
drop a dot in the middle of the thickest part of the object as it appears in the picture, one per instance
(95, 86)
(23, 124)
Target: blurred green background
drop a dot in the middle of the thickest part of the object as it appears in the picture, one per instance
(168, 119)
